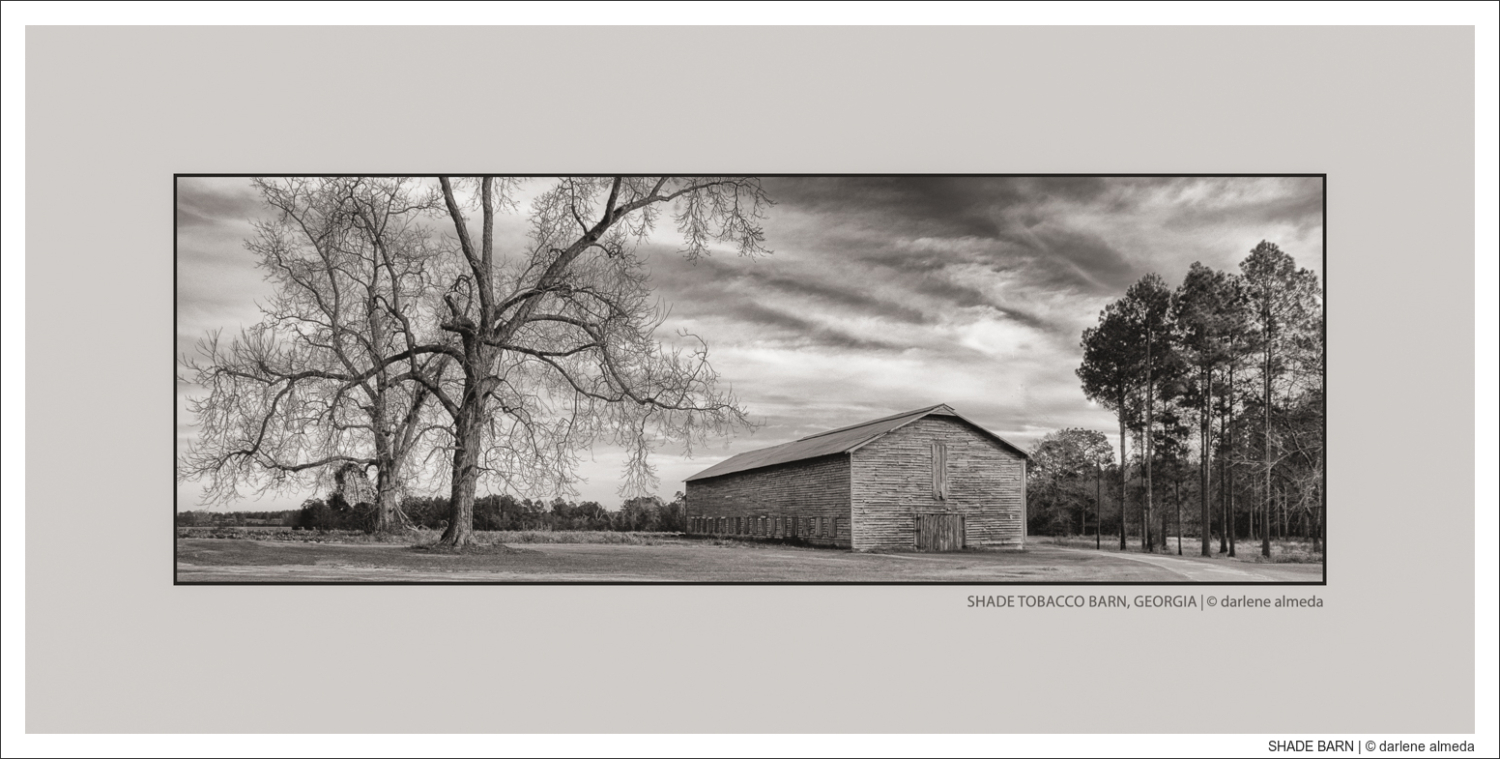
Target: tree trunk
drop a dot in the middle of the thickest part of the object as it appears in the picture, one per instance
(1320, 538)
(1205, 461)
(460, 530)
(467, 429)
(1265, 540)
(1123, 456)
(389, 517)
(1319, 515)
(1165, 548)
(1098, 508)
(1226, 522)
(1253, 533)
(1229, 464)
(1142, 525)
(1177, 503)
(1147, 509)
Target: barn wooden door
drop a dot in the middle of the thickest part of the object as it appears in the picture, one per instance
(940, 532)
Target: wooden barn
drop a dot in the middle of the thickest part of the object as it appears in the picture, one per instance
(926, 480)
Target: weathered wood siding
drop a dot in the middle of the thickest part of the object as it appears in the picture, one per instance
(892, 484)
(807, 500)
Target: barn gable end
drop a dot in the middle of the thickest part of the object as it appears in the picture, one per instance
(892, 485)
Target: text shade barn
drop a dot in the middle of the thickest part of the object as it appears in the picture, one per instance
(928, 479)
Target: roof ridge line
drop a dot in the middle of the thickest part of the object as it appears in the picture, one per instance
(874, 421)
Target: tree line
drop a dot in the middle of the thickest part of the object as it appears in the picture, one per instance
(408, 349)
(204, 518)
(491, 512)
(1217, 389)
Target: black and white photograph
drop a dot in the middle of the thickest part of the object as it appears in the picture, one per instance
(825, 379)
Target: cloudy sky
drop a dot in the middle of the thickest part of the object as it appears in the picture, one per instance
(882, 294)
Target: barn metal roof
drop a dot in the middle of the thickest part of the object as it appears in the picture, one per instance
(841, 440)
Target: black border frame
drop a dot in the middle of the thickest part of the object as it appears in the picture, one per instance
(177, 581)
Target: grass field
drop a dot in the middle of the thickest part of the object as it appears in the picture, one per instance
(666, 559)
(1290, 551)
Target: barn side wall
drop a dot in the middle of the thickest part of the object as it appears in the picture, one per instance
(892, 485)
(805, 500)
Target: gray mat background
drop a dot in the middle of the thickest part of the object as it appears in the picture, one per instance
(112, 646)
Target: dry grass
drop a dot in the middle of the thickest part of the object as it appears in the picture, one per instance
(488, 542)
(1072, 541)
(1289, 551)
(578, 536)
(688, 561)
(306, 536)
(1292, 551)
(476, 548)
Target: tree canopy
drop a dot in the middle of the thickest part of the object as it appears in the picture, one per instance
(400, 335)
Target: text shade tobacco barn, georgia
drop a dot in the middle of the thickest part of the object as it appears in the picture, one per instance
(927, 479)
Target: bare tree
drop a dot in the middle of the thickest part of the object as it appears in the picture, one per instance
(554, 345)
(310, 391)
(532, 355)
